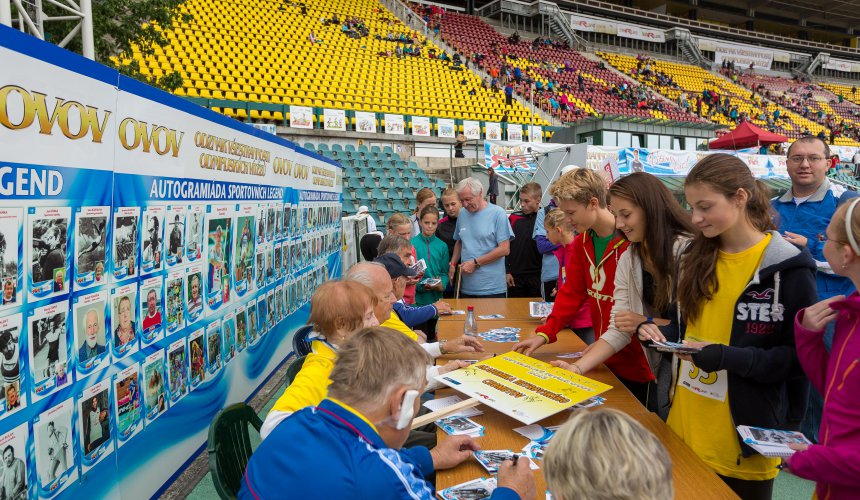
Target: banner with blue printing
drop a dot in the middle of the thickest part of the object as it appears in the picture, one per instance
(664, 162)
(154, 259)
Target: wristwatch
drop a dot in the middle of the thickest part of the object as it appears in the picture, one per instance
(477, 265)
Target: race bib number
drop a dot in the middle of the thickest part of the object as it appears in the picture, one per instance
(708, 384)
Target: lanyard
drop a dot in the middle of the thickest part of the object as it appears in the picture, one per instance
(347, 424)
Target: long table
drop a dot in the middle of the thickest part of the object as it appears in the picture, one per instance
(511, 309)
(692, 477)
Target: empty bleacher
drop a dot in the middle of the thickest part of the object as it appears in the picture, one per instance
(471, 35)
(262, 52)
(379, 178)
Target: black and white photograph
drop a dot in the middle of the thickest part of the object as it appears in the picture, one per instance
(270, 222)
(90, 332)
(11, 399)
(124, 320)
(54, 448)
(94, 424)
(277, 261)
(287, 221)
(261, 224)
(91, 233)
(49, 231)
(152, 242)
(260, 273)
(49, 348)
(294, 220)
(13, 445)
(175, 234)
(279, 221)
(126, 233)
(194, 233)
(10, 256)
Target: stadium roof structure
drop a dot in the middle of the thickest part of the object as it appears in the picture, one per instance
(840, 12)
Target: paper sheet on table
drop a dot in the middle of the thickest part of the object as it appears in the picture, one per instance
(442, 403)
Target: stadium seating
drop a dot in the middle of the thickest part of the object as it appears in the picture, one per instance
(261, 52)
(849, 92)
(695, 80)
(812, 101)
(471, 35)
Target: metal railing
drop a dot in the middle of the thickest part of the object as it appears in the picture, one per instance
(663, 20)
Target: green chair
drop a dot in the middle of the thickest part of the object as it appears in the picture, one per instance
(337, 147)
(230, 447)
(294, 369)
(399, 206)
(385, 182)
(398, 183)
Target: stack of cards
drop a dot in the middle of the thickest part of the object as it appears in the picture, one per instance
(456, 312)
(475, 489)
(491, 316)
(419, 266)
(492, 459)
(430, 282)
(460, 426)
(771, 442)
(540, 309)
(506, 334)
(540, 437)
(674, 347)
(441, 403)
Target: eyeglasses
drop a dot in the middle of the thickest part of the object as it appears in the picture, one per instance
(811, 159)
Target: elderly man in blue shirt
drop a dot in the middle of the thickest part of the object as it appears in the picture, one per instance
(349, 445)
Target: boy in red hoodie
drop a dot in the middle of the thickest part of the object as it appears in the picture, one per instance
(590, 270)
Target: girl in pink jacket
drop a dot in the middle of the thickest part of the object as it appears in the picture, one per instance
(834, 463)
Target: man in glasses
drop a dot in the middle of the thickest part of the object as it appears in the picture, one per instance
(804, 212)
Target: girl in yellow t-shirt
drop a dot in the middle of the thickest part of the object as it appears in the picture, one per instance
(740, 286)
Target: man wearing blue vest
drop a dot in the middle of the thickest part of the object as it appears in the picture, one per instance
(350, 445)
(804, 212)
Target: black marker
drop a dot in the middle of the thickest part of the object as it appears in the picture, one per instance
(516, 457)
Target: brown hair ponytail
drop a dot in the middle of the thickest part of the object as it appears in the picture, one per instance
(725, 174)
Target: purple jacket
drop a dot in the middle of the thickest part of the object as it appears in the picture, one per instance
(834, 463)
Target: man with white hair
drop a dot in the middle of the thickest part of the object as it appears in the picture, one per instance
(483, 239)
(349, 446)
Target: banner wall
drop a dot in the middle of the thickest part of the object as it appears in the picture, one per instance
(154, 257)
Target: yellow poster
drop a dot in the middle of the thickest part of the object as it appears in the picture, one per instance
(522, 387)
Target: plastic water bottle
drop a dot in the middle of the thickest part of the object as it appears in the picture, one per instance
(470, 327)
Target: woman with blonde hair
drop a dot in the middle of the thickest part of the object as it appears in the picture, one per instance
(606, 455)
(425, 197)
(338, 310)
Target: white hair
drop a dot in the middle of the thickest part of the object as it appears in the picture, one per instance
(362, 272)
(473, 184)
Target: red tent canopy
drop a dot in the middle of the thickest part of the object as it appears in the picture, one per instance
(746, 135)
